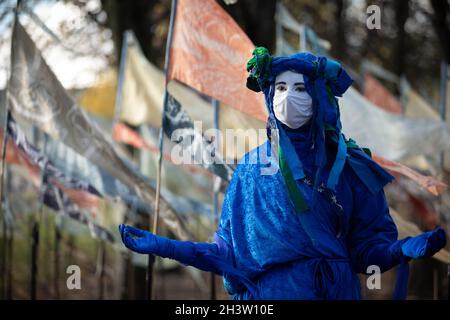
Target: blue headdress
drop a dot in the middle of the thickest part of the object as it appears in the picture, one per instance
(325, 79)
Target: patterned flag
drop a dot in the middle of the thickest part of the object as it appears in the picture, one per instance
(178, 125)
(142, 102)
(39, 159)
(123, 133)
(57, 198)
(433, 185)
(35, 95)
(209, 52)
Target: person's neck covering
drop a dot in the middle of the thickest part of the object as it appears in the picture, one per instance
(300, 139)
(325, 80)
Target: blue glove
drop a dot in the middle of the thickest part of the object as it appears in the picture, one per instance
(424, 245)
(205, 256)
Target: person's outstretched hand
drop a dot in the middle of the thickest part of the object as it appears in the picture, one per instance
(424, 245)
(143, 241)
(202, 255)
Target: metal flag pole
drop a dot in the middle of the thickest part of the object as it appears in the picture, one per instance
(35, 237)
(443, 97)
(3, 207)
(3, 150)
(216, 180)
(9, 240)
(448, 282)
(302, 33)
(35, 232)
(121, 78)
(151, 258)
(56, 262)
(102, 253)
(443, 114)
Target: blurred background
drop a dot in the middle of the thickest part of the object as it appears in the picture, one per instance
(397, 109)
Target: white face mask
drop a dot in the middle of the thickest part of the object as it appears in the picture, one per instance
(292, 105)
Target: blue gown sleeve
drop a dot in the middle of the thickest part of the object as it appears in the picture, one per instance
(373, 234)
(211, 257)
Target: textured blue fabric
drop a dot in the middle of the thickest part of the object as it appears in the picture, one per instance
(303, 256)
(338, 164)
(425, 245)
(289, 151)
(265, 250)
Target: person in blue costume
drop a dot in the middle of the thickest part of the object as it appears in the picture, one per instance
(305, 212)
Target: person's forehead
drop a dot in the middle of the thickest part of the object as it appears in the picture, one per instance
(289, 77)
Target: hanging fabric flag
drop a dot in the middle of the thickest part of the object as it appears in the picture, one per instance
(20, 152)
(82, 199)
(417, 107)
(56, 199)
(428, 216)
(123, 133)
(36, 95)
(99, 99)
(193, 145)
(39, 159)
(392, 136)
(11, 156)
(78, 166)
(142, 100)
(147, 102)
(56, 195)
(209, 52)
(433, 185)
(376, 93)
(17, 157)
(143, 88)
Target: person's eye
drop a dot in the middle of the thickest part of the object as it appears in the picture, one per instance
(300, 88)
(281, 87)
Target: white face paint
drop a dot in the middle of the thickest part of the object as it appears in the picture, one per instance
(292, 105)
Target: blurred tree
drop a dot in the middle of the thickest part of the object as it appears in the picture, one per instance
(401, 15)
(441, 23)
(339, 47)
(414, 34)
(147, 19)
(257, 19)
(405, 44)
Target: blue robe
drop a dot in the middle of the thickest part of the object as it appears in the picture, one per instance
(311, 255)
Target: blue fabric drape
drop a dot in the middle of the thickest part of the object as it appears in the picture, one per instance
(314, 255)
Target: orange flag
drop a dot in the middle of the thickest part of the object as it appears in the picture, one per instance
(380, 96)
(209, 53)
(83, 200)
(433, 185)
(123, 133)
(429, 216)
